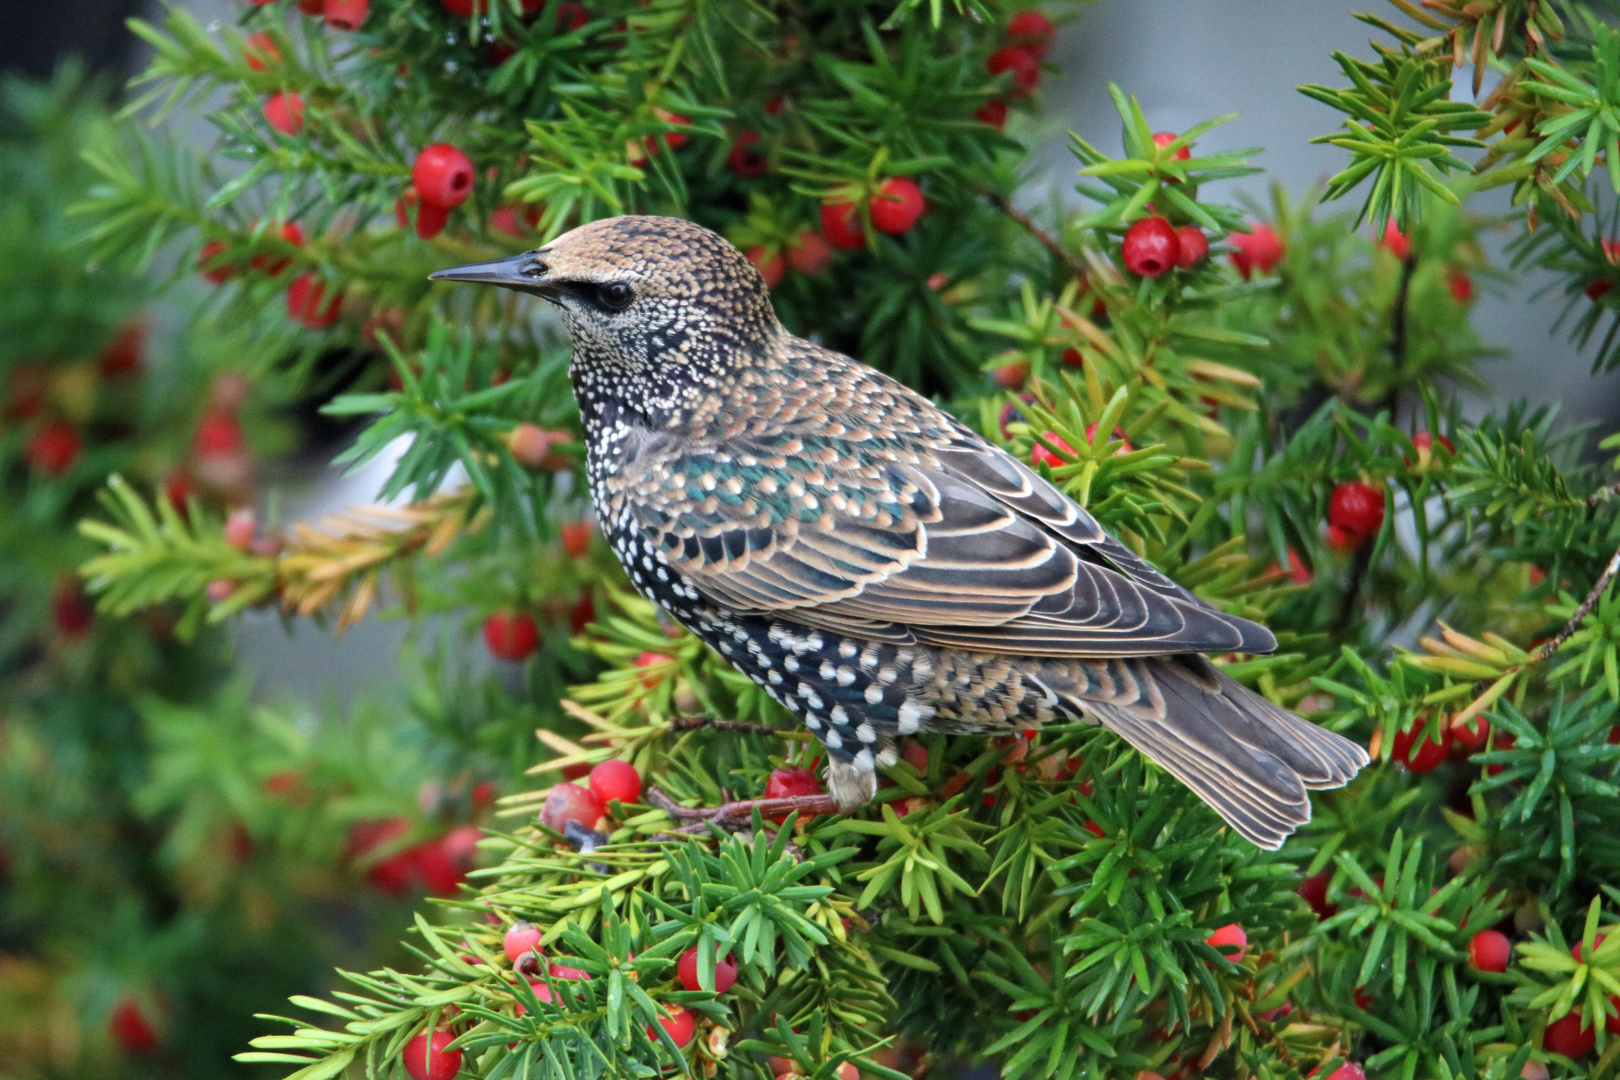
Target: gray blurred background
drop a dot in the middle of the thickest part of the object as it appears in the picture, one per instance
(1185, 60)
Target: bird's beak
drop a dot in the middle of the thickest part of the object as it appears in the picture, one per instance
(526, 273)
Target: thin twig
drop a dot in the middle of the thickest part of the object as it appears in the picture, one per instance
(1029, 225)
(692, 723)
(1603, 494)
(740, 813)
(1554, 643)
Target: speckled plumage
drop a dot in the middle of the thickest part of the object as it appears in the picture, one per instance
(875, 565)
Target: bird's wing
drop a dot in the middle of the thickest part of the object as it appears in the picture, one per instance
(946, 541)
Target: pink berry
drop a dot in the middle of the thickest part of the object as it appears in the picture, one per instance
(615, 779)
(521, 938)
(1150, 247)
(570, 802)
(725, 971)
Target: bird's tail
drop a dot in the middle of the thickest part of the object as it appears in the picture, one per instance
(1249, 759)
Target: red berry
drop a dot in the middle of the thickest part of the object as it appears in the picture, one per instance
(1022, 64)
(441, 864)
(312, 7)
(1489, 950)
(725, 971)
(1012, 414)
(541, 991)
(841, 225)
(1040, 453)
(1597, 290)
(674, 139)
(648, 658)
(1423, 443)
(1460, 285)
(1031, 30)
(769, 263)
(240, 528)
(1473, 735)
(1162, 139)
(570, 14)
(510, 636)
(809, 254)
(1356, 509)
(1576, 949)
(1421, 756)
(463, 8)
(1192, 247)
(430, 219)
(576, 538)
(215, 273)
(897, 205)
(745, 161)
(1229, 936)
(583, 614)
(993, 113)
(615, 779)
(1119, 436)
(218, 434)
(260, 52)
(130, 1028)
(1343, 540)
(1011, 376)
(1256, 250)
(570, 802)
(1314, 891)
(1395, 241)
(122, 355)
(680, 1024)
(535, 447)
(54, 448)
(69, 611)
(790, 783)
(916, 755)
(306, 295)
(1072, 357)
(426, 1058)
(572, 974)
(1150, 247)
(272, 264)
(346, 14)
(1565, 1036)
(1350, 1070)
(285, 112)
(442, 175)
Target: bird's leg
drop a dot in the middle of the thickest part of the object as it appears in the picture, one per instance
(739, 813)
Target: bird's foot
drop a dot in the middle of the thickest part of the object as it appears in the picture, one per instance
(739, 813)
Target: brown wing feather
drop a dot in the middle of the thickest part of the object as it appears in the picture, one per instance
(948, 541)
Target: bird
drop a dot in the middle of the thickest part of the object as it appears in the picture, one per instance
(873, 563)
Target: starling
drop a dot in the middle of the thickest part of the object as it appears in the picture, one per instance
(872, 563)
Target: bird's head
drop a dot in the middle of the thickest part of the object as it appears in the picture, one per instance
(654, 299)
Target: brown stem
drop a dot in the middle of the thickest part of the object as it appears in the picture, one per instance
(692, 723)
(1029, 225)
(740, 813)
(1554, 643)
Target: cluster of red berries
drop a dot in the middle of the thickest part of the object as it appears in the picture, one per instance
(438, 866)
(894, 208)
(1029, 38)
(307, 300)
(55, 445)
(585, 804)
(441, 179)
(339, 14)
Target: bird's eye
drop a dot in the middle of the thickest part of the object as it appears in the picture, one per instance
(615, 295)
